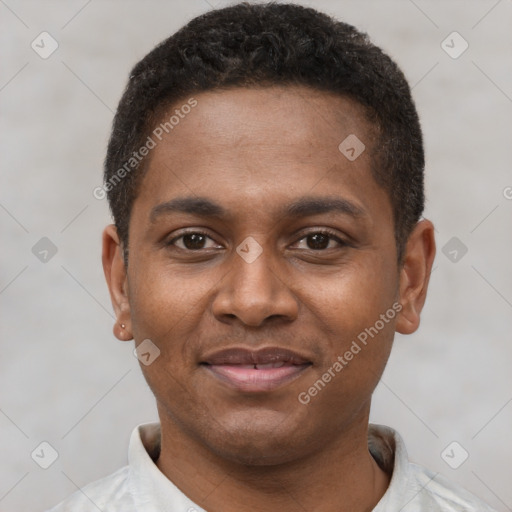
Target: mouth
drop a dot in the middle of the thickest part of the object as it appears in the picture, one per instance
(256, 371)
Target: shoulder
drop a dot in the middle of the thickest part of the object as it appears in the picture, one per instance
(414, 488)
(436, 492)
(108, 494)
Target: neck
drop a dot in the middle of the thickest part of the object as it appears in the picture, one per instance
(342, 477)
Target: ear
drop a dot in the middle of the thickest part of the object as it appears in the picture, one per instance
(415, 275)
(115, 274)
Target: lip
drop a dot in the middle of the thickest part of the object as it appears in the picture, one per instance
(255, 370)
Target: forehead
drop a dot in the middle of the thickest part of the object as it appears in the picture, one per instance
(242, 117)
(262, 145)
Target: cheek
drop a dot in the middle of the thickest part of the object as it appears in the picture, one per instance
(357, 295)
(357, 345)
(166, 308)
(357, 312)
(165, 300)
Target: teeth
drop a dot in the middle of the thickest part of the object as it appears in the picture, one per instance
(266, 366)
(269, 365)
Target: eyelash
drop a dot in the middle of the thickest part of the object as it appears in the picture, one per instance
(324, 231)
(192, 232)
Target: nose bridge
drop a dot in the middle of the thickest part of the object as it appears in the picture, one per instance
(252, 290)
(254, 278)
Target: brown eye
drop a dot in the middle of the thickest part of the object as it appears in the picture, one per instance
(194, 241)
(318, 241)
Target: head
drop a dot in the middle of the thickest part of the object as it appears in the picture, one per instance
(276, 205)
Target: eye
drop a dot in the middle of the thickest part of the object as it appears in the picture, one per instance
(193, 241)
(321, 240)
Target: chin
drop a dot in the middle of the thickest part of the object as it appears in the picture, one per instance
(258, 452)
(259, 439)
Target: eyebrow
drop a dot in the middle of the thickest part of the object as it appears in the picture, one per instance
(302, 207)
(309, 206)
(194, 205)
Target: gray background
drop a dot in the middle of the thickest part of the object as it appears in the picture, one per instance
(66, 380)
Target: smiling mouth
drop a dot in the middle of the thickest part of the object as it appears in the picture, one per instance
(256, 371)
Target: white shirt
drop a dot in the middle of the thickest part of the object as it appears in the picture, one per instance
(141, 487)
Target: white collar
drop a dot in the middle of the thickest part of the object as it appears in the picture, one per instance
(153, 491)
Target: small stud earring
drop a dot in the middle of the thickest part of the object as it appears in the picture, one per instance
(123, 326)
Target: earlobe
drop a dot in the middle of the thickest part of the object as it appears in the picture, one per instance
(115, 275)
(414, 276)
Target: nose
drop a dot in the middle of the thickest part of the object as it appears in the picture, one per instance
(255, 293)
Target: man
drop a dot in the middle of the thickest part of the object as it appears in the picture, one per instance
(265, 174)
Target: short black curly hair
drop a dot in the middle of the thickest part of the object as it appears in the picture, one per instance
(255, 45)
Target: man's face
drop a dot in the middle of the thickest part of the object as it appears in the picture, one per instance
(315, 273)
